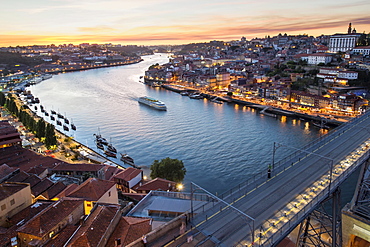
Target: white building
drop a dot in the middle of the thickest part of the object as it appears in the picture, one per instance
(343, 42)
(317, 58)
(364, 50)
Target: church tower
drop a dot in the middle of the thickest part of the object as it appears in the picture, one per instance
(350, 28)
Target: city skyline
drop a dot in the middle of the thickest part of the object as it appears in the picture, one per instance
(172, 22)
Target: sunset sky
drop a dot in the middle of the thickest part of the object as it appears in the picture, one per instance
(151, 22)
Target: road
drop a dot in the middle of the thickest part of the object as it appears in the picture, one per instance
(283, 198)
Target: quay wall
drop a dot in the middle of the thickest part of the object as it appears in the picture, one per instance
(260, 107)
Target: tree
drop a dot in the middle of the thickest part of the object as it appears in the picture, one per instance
(170, 169)
(2, 99)
(50, 139)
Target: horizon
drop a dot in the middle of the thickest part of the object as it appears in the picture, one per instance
(164, 22)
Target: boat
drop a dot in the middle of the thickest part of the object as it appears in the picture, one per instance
(215, 100)
(60, 115)
(185, 93)
(35, 108)
(111, 148)
(196, 96)
(46, 114)
(110, 154)
(52, 118)
(66, 120)
(153, 103)
(99, 138)
(321, 125)
(53, 112)
(99, 145)
(73, 126)
(65, 127)
(128, 160)
(59, 123)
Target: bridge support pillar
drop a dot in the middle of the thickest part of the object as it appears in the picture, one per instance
(356, 215)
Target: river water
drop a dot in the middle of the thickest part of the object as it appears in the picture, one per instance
(220, 145)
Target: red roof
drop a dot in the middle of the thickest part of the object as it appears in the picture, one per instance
(129, 229)
(128, 174)
(77, 167)
(49, 218)
(157, 184)
(92, 189)
(94, 228)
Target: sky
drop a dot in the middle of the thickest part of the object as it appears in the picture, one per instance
(170, 22)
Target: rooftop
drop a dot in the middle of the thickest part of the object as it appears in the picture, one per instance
(92, 189)
(8, 189)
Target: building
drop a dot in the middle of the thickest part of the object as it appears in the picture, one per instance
(13, 198)
(43, 226)
(128, 178)
(362, 50)
(317, 58)
(9, 136)
(344, 42)
(95, 190)
(80, 170)
(156, 184)
(96, 229)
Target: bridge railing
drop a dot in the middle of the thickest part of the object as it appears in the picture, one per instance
(288, 161)
(290, 222)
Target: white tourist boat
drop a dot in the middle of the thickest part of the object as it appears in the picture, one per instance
(153, 103)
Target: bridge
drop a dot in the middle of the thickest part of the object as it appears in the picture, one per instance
(266, 208)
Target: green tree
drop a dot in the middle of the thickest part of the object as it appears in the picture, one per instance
(40, 128)
(2, 99)
(170, 169)
(50, 139)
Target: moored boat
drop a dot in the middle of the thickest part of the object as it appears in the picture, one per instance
(152, 103)
(110, 154)
(128, 160)
(196, 96)
(99, 145)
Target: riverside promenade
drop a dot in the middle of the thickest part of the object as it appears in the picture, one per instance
(265, 108)
(68, 149)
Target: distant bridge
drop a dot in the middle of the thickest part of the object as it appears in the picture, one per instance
(262, 211)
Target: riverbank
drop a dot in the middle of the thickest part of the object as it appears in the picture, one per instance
(265, 108)
(68, 149)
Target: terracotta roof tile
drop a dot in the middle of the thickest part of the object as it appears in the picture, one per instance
(66, 191)
(55, 189)
(41, 187)
(32, 180)
(19, 177)
(94, 228)
(129, 229)
(128, 174)
(8, 189)
(77, 167)
(92, 189)
(157, 184)
(5, 170)
(46, 220)
(62, 237)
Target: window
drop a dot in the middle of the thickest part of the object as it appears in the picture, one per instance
(12, 202)
(109, 193)
(3, 207)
